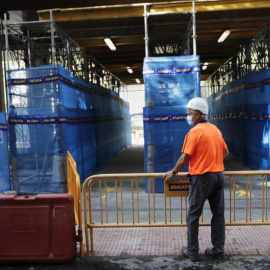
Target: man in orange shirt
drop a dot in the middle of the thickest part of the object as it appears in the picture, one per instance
(204, 149)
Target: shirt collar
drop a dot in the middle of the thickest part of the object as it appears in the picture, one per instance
(201, 121)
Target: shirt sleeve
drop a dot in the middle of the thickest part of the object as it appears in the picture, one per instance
(224, 144)
(190, 144)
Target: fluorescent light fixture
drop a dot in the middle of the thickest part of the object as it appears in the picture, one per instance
(159, 49)
(138, 81)
(224, 35)
(129, 69)
(205, 65)
(110, 44)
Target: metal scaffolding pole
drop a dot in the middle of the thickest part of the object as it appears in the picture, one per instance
(6, 42)
(68, 56)
(146, 32)
(52, 38)
(194, 29)
(2, 89)
(29, 49)
(268, 42)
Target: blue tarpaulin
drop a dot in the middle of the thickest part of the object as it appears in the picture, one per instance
(4, 162)
(52, 112)
(241, 110)
(170, 82)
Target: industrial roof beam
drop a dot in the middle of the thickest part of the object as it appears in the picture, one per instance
(129, 11)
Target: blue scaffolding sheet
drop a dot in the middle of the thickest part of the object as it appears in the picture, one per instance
(4, 162)
(170, 82)
(241, 110)
(52, 112)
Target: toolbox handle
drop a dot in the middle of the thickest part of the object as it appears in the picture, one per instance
(79, 235)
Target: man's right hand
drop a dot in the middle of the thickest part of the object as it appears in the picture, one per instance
(168, 176)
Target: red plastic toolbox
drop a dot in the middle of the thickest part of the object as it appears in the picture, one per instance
(37, 228)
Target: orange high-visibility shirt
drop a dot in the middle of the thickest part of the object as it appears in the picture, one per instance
(205, 145)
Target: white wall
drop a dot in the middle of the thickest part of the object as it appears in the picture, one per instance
(134, 94)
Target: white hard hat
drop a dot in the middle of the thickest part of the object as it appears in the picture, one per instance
(198, 104)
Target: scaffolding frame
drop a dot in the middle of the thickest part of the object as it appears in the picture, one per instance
(251, 57)
(35, 43)
(172, 48)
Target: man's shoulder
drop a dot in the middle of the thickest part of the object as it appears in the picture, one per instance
(203, 126)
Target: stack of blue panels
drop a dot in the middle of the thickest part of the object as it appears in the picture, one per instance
(52, 112)
(170, 82)
(4, 162)
(241, 111)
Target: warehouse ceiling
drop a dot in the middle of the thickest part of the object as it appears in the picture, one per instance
(88, 22)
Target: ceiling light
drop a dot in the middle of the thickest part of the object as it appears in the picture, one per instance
(205, 65)
(138, 81)
(110, 44)
(224, 35)
(157, 50)
(129, 69)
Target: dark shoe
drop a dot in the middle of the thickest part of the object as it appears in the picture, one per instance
(216, 257)
(187, 254)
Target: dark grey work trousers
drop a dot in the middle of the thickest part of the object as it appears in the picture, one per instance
(202, 187)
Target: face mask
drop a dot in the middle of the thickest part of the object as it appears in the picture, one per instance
(189, 120)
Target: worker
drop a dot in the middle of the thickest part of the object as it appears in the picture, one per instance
(204, 149)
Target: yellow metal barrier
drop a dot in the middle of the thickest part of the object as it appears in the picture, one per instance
(120, 200)
(74, 188)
